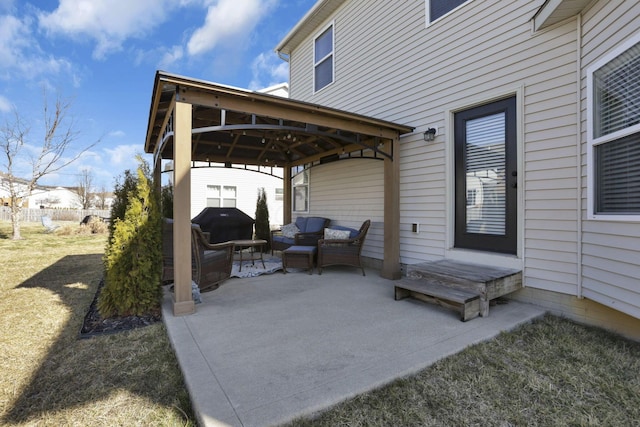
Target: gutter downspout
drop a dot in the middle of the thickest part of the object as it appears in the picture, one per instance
(579, 153)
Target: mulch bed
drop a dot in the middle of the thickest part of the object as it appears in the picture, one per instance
(95, 325)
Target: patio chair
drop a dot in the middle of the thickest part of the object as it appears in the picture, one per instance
(306, 231)
(343, 251)
(210, 263)
(48, 223)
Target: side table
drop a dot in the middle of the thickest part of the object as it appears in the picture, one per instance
(251, 244)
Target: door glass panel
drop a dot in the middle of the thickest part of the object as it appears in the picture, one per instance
(485, 170)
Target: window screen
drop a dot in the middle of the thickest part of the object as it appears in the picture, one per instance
(617, 93)
(438, 8)
(616, 112)
(617, 189)
(323, 59)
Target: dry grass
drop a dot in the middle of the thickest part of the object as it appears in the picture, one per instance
(549, 373)
(49, 376)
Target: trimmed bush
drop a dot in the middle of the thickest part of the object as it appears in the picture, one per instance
(133, 257)
(262, 219)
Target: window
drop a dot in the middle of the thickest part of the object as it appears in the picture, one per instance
(300, 187)
(438, 8)
(279, 196)
(323, 59)
(614, 134)
(221, 197)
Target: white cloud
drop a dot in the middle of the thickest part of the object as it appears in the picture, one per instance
(170, 57)
(117, 133)
(226, 22)
(123, 156)
(108, 22)
(20, 53)
(5, 105)
(268, 69)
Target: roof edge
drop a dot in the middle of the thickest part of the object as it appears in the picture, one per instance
(302, 29)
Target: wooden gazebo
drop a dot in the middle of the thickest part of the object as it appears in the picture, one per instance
(193, 120)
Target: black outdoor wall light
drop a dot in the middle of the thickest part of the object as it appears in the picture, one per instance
(430, 134)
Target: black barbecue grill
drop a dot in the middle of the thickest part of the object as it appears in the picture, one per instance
(224, 224)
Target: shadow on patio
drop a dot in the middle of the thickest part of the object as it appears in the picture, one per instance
(264, 350)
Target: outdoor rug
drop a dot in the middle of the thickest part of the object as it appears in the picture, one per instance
(271, 265)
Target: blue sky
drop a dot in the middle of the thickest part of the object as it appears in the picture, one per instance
(103, 54)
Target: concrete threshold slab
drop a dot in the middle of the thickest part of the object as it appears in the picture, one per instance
(265, 350)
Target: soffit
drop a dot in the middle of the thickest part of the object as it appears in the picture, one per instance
(554, 11)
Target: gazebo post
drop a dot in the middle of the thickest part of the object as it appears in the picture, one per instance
(286, 194)
(391, 257)
(182, 298)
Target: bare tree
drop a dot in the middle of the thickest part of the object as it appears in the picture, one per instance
(85, 188)
(101, 198)
(47, 157)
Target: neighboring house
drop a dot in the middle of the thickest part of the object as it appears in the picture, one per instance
(53, 198)
(41, 196)
(526, 150)
(218, 186)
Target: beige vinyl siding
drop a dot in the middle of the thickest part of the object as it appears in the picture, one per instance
(611, 250)
(349, 192)
(390, 65)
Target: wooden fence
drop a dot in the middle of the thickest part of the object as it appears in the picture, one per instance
(34, 215)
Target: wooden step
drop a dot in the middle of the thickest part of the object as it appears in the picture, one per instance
(489, 281)
(466, 302)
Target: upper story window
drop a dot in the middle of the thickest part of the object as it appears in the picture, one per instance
(221, 196)
(438, 8)
(613, 134)
(323, 59)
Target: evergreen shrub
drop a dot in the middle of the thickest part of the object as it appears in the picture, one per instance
(262, 219)
(133, 257)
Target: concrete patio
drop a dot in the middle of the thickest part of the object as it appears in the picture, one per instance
(265, 350)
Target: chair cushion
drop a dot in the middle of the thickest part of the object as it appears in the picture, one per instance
(283, 239)
(290, 230)
(352, 232)
(301, 223)
(315, 224)
(334, 234)
(213, 256)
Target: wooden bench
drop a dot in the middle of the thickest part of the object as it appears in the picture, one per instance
(466, 302)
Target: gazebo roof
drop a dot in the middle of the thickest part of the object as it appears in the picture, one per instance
(238, 126)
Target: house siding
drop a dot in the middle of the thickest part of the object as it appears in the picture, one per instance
(349, 198)
(611, 271)
(390, 65)
(419, 75)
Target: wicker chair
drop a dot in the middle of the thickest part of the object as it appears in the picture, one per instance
(343, 252)
(211, 263)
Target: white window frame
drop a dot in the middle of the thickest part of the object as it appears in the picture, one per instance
(330, 55)
(221, 193)
(427, 7)
(302, 186)
(593, 142)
